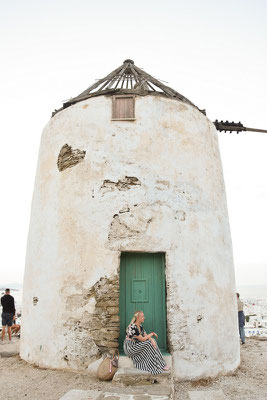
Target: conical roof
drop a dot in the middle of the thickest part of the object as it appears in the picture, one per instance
(127, 79)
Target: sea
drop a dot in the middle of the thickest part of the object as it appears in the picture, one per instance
(256, 292)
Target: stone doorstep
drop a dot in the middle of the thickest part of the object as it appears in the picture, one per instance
(207, 395)
(128, 375)
(134, 377)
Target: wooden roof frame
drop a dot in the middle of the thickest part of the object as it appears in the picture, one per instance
(126, 79)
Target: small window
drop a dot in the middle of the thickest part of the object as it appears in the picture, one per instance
(123, 108)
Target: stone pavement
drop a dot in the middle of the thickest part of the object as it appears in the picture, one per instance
(119, 393)
(206, 395)
(75, 394)
(140, 393)
(9, 349)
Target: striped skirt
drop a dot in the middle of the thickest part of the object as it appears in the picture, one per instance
(144, 355)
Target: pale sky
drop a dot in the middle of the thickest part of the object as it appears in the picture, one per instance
(213, 52)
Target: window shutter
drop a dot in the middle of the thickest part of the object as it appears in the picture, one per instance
(123, 108)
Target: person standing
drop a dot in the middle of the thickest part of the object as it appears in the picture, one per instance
(8, 313)
(241, 318)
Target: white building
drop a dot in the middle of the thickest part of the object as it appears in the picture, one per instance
(250, 331)
(129, 212)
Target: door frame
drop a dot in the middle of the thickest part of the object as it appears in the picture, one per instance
(164, 293)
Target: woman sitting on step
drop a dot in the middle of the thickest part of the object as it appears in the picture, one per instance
(142, 348)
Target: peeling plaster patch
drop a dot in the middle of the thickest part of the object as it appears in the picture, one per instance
(75, 301)
(80, 301)
(68, 157)
(35, 300)
(124, 210)
(177, 339)
(80, 349)
(180, 215)
(199, 318)
(130, 224)
(162, 185)
(123, 184)
(120, 230)
(85, 106)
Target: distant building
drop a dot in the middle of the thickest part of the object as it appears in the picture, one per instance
(249, 331)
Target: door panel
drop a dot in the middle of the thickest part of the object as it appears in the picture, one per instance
(142, 287)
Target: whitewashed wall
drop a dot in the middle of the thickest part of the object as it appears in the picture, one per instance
(79, 226)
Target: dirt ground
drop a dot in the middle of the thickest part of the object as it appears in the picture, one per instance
(19, 380)
(248, 382)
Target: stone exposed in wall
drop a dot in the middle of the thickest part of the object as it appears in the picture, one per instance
(105, 324)
(99, 331)
(68, 157)
(122, 184)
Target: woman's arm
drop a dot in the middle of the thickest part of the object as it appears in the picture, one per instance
(146, 337)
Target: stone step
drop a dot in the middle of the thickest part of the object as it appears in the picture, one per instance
(134, 377)
(128, 375)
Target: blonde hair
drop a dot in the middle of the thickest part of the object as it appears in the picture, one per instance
(134, 318)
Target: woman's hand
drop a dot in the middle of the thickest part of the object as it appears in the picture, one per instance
(154, 334)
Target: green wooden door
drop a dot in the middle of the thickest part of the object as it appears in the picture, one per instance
(142, 287)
